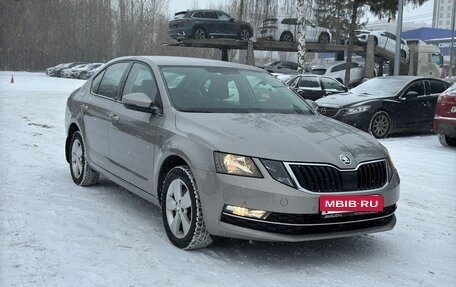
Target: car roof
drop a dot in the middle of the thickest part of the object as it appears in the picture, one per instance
(187, 61)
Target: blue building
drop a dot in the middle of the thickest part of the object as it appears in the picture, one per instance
(436, 36)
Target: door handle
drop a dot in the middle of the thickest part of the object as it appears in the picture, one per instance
(84, 107)
(114, 117)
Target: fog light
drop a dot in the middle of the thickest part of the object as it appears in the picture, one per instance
(246, 212)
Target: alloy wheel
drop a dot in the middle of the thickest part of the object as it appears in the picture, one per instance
(76, 158)
(178, 208)
(380, 125)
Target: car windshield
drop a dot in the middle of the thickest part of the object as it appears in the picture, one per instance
(380, 87)
(229, 90)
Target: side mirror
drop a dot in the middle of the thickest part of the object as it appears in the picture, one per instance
(138, 102)
(411, 95)
(232, 20)
(279, 67)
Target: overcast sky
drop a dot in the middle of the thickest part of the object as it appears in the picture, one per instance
(421, 14)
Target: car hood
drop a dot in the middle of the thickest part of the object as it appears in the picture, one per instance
(345, 100)
(285, 137)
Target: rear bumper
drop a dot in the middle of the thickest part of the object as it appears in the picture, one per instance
(445, 126)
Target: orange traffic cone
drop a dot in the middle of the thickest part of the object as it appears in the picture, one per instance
(12, 79)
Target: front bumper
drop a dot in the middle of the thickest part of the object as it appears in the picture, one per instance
(294, 214)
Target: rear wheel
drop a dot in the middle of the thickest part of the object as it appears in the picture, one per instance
(244, 34)
(286, 37)
(403, 56)
(323, 39)
(380, 125)
(181, 210)
(199, 33)
(81, 172)
(447, 141)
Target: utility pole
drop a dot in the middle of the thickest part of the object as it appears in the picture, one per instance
(397, 56)
(301, 36)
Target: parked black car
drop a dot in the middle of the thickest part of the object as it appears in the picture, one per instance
(387, 104)
(200, 24)
(313, 87)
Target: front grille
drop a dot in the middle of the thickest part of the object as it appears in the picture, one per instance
(325, 178)
(301, 224)
(329, 112)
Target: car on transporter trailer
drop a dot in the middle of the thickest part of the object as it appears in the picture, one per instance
(227, 150)
(201, 24)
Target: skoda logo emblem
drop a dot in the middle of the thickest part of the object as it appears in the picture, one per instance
(323, 111)
(345, 159)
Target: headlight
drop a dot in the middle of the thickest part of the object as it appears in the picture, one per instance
(235, 165)
(278, 171)
(356, 110)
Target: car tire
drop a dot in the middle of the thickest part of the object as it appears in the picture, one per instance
(181, 210)
(83, 75)
(380, 125)
(286, 37)
(199, 33)
(80, 170)
(375, 41)
(323, 39)
(244, 34)
(447, 141)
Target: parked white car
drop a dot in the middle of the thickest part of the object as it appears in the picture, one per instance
(285, 29)
(385, 40)
(66, 73)
(337, 71)
(80, 73)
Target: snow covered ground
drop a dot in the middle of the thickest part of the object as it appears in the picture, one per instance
(54, 233)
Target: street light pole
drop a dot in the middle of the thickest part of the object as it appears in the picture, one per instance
(397, 56)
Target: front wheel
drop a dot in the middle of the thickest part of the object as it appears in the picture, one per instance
(244, 34)
(380, 125)
(181, 210)
(199, 33)
(80, 170)
(447, 141)
(403, 56)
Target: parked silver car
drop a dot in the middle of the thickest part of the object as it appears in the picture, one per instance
(226, 150)
(285, 29)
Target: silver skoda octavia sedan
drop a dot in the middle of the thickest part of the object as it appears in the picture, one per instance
(227, 150)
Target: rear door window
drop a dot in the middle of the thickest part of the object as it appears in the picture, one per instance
(309, 83)
(437, 87)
